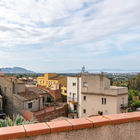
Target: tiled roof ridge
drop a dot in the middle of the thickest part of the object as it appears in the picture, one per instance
(66, 125)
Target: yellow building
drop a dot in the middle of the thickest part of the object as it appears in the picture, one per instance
(53, 81)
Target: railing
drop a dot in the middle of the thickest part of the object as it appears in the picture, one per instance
(72, 111)
(72, 99)
(123, 106)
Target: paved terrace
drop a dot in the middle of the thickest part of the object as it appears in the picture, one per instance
(124, 126)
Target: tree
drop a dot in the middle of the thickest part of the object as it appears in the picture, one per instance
(134, 83)
(136, 104)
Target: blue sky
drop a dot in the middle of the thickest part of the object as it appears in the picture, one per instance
(61, 35)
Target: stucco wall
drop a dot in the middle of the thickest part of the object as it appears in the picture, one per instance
(37, 104)
(126, 131)
(93, 104)
(96, 83)
(115, 91)
(71, 89)
(18, 105)
(119, 98)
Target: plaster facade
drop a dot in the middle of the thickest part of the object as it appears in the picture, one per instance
(91, 95)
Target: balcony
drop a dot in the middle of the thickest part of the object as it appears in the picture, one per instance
(72, 114)
(123, 106)
(72, 100)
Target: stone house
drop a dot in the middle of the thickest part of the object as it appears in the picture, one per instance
(18, 96)
(7, 89)
(27, 100)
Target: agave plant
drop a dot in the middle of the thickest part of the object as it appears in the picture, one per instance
(17, 120)
(3, 123)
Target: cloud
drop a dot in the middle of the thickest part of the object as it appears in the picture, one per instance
(87, 28)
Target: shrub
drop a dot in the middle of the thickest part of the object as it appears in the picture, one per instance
(17, 120)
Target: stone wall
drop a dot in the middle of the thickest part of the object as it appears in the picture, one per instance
(18, 105)
(6, 85)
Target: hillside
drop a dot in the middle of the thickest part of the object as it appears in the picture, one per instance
(15, 70)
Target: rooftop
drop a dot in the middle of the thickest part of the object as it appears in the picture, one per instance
(1, 73)
(35, 89)
(115, 87)
(29, 95)
(51, 108)
(11, 79)
(57, 77)
(20, 81)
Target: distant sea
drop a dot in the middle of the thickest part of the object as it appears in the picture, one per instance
(103, 70)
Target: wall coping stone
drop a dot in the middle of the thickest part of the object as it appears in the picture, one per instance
(66, 125)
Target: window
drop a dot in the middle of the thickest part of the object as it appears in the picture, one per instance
(70, 93)
(30, 105)
(63, 114)
(74, 84)
(5, 89)
(74, 95)
(75, 107)
(84, 97)
(14, 87)
(103, 101)
(84, 110)
(0, 89)
(100, 113)
(5, 101)
(65, 91)
(43, 99)
(122, 101)
(85, 84)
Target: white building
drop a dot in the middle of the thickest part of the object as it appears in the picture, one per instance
(90, 94)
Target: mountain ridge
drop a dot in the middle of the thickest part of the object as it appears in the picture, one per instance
(15, 70)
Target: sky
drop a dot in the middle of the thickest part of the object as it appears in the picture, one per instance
(63, 35)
